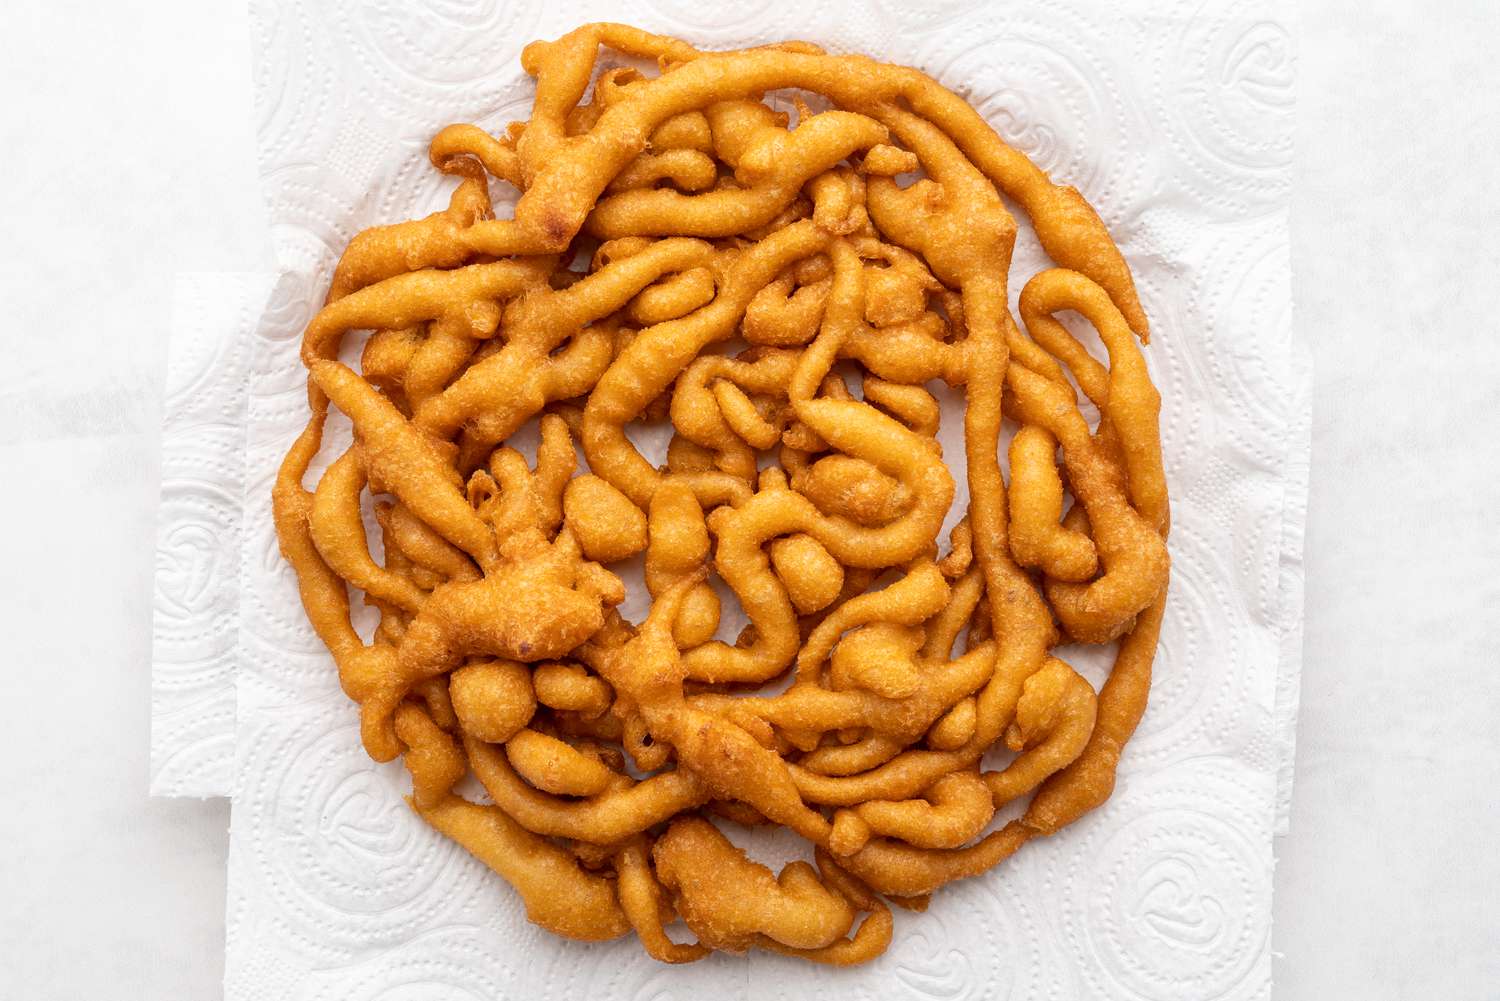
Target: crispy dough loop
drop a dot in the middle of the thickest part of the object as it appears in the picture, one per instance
(728, 900)
(1038, 538)
(774, 168)
(338, 530)
(710, 402)
(559, 894)
(952, 810)
(387, 251)
(1127, 398)
(571, 688)
(678, 547)
(625, 809)
(433, 757)
(1054, 718)
(419, 543)
(555, 766)
(1133, 555)
(869, 941)
(641, 897)
(687, 169)
(659, 353)
(784, 313)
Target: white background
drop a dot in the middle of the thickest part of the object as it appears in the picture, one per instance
(125, 135)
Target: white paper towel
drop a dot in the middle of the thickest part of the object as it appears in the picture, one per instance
(1175, 122)
(195, 605)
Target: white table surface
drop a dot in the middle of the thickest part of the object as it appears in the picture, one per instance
(127, 149)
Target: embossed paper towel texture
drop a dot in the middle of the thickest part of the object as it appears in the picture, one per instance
(195, 618)
(1175, 122)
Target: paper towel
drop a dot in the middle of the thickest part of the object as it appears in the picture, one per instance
(1175, 122)
(195, 605)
